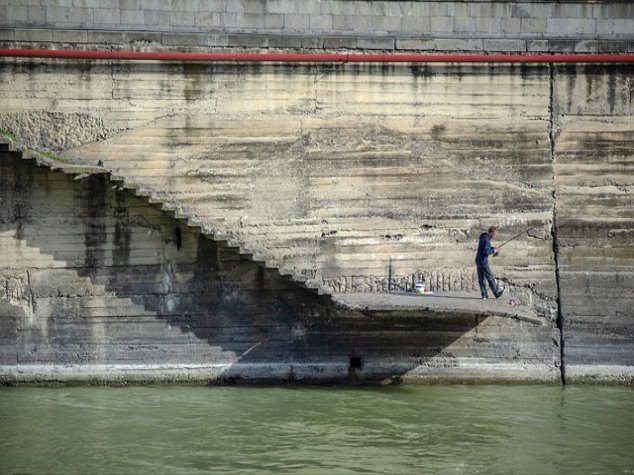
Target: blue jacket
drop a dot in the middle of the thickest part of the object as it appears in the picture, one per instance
(484, 249)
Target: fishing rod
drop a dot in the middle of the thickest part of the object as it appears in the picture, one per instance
(516, 236)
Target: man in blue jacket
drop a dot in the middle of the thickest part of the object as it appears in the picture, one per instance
(485, 249)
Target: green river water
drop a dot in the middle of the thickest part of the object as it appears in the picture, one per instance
(329, 430)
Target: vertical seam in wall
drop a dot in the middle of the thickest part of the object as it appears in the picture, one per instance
(551, 138)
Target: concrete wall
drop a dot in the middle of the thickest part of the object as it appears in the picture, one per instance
(494, 26)
(98, 286)
(594, 180)
(364, 177)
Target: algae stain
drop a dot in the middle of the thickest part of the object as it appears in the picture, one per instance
(7, 135)
(122, 231)
(195, 75)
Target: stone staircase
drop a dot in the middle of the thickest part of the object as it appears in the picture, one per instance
(348, 179)
(343, 205)
(212, 228)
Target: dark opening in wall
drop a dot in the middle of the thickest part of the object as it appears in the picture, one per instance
(356, 362)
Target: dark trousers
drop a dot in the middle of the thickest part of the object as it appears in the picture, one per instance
(484, 272)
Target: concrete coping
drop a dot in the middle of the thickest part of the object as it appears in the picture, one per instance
(451, 303)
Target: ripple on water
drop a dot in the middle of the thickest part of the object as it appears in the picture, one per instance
(411, 429)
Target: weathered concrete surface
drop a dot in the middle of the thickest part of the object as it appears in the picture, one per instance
(444, 303)
(351, 177)
(368, 177)
(98, 286)
(594, 179)
(436, 25)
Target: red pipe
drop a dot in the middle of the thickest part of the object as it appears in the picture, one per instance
(320, 57)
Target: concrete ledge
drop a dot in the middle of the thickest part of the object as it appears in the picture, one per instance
(44, 37)
(431, 371)
(600, 374)
(443, 303)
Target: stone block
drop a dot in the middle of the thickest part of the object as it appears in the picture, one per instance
(285, 7)
(184, 39)
(464, 25)
(104, 16)
(624, 28)
(183, 20)
(364, 24)
(142, 36)
(389, 23)
(587, 46)
(448, 44)
(66, 15)
(295, 22)
(487, 26)
(274, 21)
(312, 42)
(533, 25)
(532, 10)
(7, 34)
(338, 8)
(250, 21)
(208, 20)
(249, 41)
(70, 36)
(605, 27)
(133, 17)
(567, 28)
(562, 46)
(481, 10)
(310, 7)
(284, 41)
(17, 14)
(215, 6)
(503, 45)
(158, 18)
(415, 24)
(229, 20)
(115, 37)
(50, 3)
(218, 40)
(572, 10)
(537, 46)
(612, 46)
(88, 3)
(510, 25)
(254, 6)
(441, 25)
(33, 34)
(320, 22)
(415, 44)
(439, 9)
(186, 5)
(37, 14)
(340, 42)
(234, 7)
(458, 9)
(613, 10)
(135, 5)
(375, 43)
(342, 23)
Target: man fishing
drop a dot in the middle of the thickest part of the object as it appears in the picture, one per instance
(485, 249)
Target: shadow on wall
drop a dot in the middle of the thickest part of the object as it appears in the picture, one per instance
(93, 275)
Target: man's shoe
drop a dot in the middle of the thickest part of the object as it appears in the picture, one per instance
(499, 294)
(484, 297)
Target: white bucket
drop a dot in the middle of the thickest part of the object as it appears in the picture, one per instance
(420, 288)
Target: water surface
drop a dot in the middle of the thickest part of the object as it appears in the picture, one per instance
(259, 430)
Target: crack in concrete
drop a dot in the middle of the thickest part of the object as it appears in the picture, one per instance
(551, 139)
